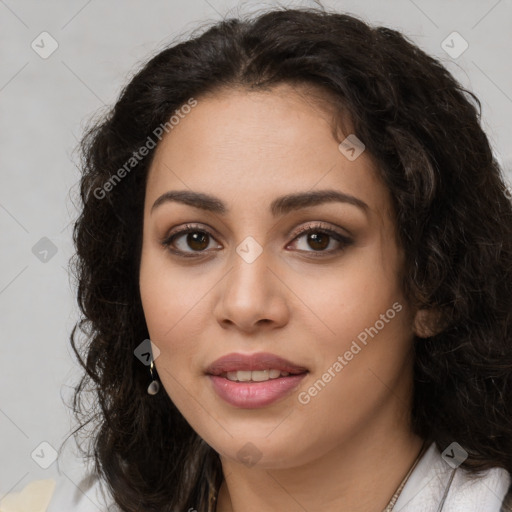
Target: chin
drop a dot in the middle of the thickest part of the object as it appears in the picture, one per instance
(273, 451)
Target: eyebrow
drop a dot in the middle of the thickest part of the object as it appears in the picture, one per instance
(279, 206)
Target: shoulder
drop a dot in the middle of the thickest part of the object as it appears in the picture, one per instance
(435, 483)
(59, 494)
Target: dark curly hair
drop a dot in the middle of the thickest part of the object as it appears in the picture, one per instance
(454, 222)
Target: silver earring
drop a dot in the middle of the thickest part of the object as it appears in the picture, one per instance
(154, 386)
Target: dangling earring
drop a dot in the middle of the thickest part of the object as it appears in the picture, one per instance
(154, 386)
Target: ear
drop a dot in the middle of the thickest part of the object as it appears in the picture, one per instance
(428, 322)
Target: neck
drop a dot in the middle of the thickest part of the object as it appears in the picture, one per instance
(360, 475)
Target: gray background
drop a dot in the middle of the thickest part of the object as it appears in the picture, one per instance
(44, 105)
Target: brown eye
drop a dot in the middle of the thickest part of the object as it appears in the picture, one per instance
(190, 241)
(317, 239)
(198, 241)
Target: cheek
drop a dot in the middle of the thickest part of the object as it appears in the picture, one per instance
(344, 302)
(164, 302)
(366, 320)
(168, 306)
(176, 310)
(171, 296)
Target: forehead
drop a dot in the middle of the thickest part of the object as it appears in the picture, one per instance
(254, 145)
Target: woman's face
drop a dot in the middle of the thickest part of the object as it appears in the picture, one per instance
(244, 282)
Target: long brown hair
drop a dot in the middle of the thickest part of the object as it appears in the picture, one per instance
(454, 222)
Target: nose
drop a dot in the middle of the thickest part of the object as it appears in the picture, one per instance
(252, 297)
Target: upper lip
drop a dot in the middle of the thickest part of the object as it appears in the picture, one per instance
(248, 362)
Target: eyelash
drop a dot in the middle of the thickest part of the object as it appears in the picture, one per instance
(312, 228)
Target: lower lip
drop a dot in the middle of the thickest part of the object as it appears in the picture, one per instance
(251, 395)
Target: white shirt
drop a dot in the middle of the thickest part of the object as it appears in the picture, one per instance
(432, 479)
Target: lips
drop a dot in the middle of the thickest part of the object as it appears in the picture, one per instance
(253, 362)
(255, 380)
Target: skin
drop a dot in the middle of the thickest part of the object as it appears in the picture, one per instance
(350, 446)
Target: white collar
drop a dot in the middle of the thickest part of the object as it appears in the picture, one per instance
(434, 486)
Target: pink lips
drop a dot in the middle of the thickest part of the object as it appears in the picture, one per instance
(251, 395)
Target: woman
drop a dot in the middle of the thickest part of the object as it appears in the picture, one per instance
(304, 216)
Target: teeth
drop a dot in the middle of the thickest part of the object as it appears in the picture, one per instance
(255, 376)
(243, 376)
(260, 376)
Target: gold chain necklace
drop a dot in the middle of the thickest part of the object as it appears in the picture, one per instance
(394, 498)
